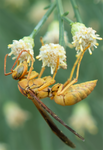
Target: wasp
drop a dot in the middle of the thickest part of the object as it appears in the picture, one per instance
(35, 87)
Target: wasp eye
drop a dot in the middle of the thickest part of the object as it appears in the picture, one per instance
(17, 73)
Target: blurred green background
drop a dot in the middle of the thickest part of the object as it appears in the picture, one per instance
(17, 19)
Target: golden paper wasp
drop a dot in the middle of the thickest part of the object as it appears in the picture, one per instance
(33, 86)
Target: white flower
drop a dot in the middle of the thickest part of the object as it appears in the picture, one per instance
(15, 116)
(83, 36)
(26, 43)
(82, 120)
(49, 54)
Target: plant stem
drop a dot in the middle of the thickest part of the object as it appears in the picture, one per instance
(75, 7)
(61, 23)
(67, 19)
(42, 21)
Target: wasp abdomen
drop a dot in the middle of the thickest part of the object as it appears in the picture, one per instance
(75, 93)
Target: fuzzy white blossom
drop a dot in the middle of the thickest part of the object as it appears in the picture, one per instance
(26, 43)
(14, 115)
(49, 54)
(83, 36)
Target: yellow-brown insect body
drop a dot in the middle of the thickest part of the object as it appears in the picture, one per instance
(74, 93)
(35, 88)
(33, 84)
(20, 71)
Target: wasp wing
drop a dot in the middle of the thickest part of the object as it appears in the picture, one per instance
(42, 107)
(53, 114)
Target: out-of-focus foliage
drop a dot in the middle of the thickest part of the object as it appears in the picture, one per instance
(17, 19)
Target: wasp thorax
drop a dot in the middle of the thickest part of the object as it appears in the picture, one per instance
(20, 71)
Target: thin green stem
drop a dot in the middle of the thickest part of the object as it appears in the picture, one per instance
(61, 23)
(42, 21)
(76, 11)
(67, 19)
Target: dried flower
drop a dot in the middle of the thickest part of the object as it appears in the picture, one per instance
(49, 54)
(82, 120)
(15, 116)
(26, 43)
(83, 36)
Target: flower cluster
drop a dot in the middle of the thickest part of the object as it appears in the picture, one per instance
(26, 43)
(83, 36)
(49, 54)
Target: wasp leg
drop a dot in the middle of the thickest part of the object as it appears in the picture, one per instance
(43, 68)
(78, 60)
(31, 68)
(41, 72)
(56, 67)
(50, 81)
(41, 40)
(72, 72)
(33, 75)
(77, 73)
(71, 83)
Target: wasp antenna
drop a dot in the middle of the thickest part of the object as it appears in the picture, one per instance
(6, 74)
